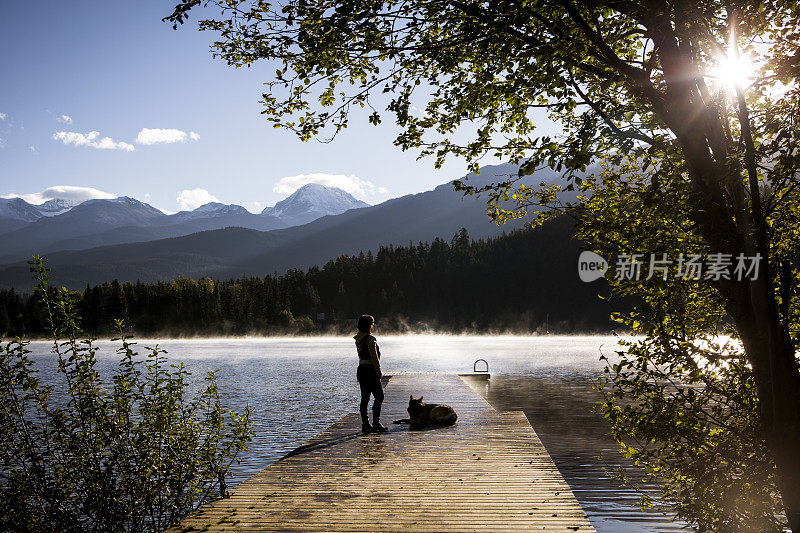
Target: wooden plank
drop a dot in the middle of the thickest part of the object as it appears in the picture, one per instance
(489, 472)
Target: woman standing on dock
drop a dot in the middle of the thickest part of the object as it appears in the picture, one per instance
(369, 374)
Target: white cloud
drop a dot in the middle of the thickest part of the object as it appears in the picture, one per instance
(32, 148)
(91, 139)
(194, 198)
(159, 135)
(65, 192)
(3, 116)
(64, 119)
(258, 205)
(350, 183)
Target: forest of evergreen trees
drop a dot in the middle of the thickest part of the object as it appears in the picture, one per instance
(522, 282)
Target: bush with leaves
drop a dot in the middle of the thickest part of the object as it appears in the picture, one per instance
(686, 413)
(681, 397)
(137, 453)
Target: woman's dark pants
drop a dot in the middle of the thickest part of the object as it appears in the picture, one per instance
(370, 383)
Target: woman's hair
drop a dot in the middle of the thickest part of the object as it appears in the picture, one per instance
(364, 323)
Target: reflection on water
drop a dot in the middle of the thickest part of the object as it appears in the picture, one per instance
(559, 404)
(298, 387)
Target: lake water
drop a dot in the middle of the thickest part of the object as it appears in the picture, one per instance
(297, 387)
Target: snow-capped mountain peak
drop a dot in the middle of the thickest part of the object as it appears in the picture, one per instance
(311, 202)
(114, 212)
(18, 209)
(210, 207)
(210, 210)
(220, 209)
(56, 206)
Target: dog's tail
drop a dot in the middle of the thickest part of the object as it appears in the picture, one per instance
(402, 421)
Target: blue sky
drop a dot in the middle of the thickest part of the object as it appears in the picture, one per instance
(77, 67)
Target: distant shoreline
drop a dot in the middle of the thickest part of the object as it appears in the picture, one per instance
(347, 335)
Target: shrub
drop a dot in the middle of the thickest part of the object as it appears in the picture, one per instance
(136, 453)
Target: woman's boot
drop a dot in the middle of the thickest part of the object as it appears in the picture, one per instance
(365, 426)
(376, 422)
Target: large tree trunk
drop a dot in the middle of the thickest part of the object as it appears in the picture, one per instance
(730, 225)
(767, 343)
(783, 431)
(782, 381)
(771, 352)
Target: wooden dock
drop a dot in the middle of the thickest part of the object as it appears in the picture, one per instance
(489, 472)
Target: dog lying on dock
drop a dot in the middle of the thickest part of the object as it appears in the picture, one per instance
(425, 415)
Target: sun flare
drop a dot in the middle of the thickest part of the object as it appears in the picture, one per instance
(730, 72)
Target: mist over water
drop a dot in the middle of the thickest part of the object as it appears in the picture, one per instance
(298, 386)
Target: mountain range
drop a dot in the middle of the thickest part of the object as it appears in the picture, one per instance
(16, 213)
(56, 225)
(138, 242)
